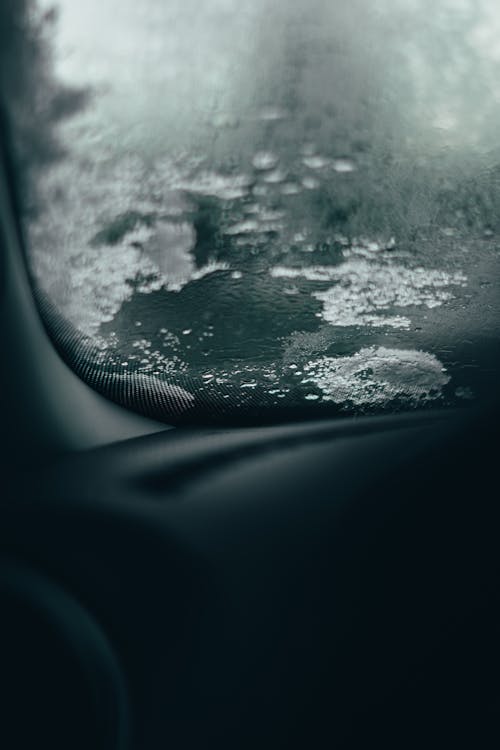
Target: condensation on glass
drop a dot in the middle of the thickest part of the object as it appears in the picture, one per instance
(278, 203)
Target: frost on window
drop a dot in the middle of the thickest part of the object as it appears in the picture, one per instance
(268, 205)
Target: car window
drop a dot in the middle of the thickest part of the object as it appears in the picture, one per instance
(263, 208)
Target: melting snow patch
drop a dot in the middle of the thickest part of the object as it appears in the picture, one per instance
(211, 267)
(363, 291)
(375, 376)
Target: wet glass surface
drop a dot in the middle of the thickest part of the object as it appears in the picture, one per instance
(297, 203)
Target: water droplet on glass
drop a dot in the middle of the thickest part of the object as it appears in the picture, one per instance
(271, 114)
(264, 160)
(275, 177)
(290, 188)
(344, 165)
(315, 161)
(311, 183)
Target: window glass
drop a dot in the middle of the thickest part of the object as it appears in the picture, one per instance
(268, 206)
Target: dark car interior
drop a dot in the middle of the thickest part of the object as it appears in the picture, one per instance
(309, 581)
